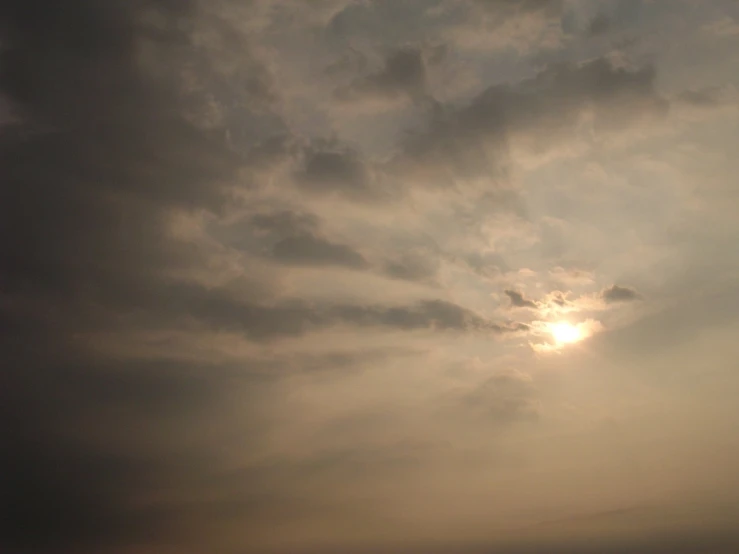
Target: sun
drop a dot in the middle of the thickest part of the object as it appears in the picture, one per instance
(565, 333)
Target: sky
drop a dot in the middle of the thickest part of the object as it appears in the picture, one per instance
(369, 276)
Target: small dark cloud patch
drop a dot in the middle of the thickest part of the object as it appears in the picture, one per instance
(349, 361)
(437, 54)
(708, 97)
(702, 98)
(485, 265)
(338, 171)
(599, 25)
(352, 62)
(268, 152)
(616, 293)
(311, 250)
(518, 300)
(285, 223)
(512, 7)
(413, 267)
(298, 241)
(403, 74)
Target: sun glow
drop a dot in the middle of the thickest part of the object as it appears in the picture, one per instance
(565, 333)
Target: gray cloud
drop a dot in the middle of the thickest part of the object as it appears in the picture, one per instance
(518, 300)
(413, 267)
(385, 22)
(103, 151)
(701, 98)
(485, 265)
(616, 293)
(708, 98)
(473, 141)
(221, 309)
(403, 73)
(336, 171)
(285, 223)
(599, 25)
(349, 360)
(393, 24)
(312, 250)
(299, 241)
(352, 62)
(436, 314)
(524, 6)
(502, 399)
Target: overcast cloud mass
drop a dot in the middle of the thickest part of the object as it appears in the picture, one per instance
(380, 276)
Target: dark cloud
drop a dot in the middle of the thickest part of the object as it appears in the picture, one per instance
(336, 171)
(311, 250)
(104, 149)
(437, 54)
(59, 495)
(285, 223)
(435, 314)
(599, 25)
(392, 26)
(413, 267)
(222, 309)
(485, 265)
(299, 242)
(89, 191)
(708, 97)
(403, 74)
(265, 154)
(84, 435)
(702, 98)
(518, 300)
(472, 142)
(617, 17)
(348, 361)
(523, 6)
(384, 22)
(628, 11)
(616, 293)
(352, 62)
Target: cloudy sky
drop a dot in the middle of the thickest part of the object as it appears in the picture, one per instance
(369, 276)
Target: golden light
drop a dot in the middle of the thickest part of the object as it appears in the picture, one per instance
(565, 333)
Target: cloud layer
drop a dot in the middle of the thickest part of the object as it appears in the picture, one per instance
(283, 277)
